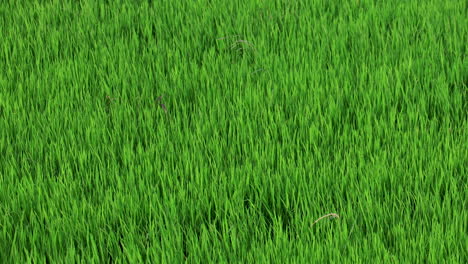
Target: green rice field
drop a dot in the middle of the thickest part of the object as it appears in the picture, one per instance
(244, 131)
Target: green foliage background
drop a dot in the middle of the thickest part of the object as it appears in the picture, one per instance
(278, 112)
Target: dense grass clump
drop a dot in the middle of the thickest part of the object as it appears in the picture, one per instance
(233, 131)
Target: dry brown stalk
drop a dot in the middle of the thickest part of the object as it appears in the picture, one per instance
(332, 215)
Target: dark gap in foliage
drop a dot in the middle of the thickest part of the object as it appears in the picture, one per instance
(331, 10)
(148, 37)
(462, 87)
(185, 250)
(121, 243)
(348, 110)
(270, 207)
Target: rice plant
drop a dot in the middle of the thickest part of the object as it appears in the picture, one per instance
(231, 131)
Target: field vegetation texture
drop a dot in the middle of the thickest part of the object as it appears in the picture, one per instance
(220, 131)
